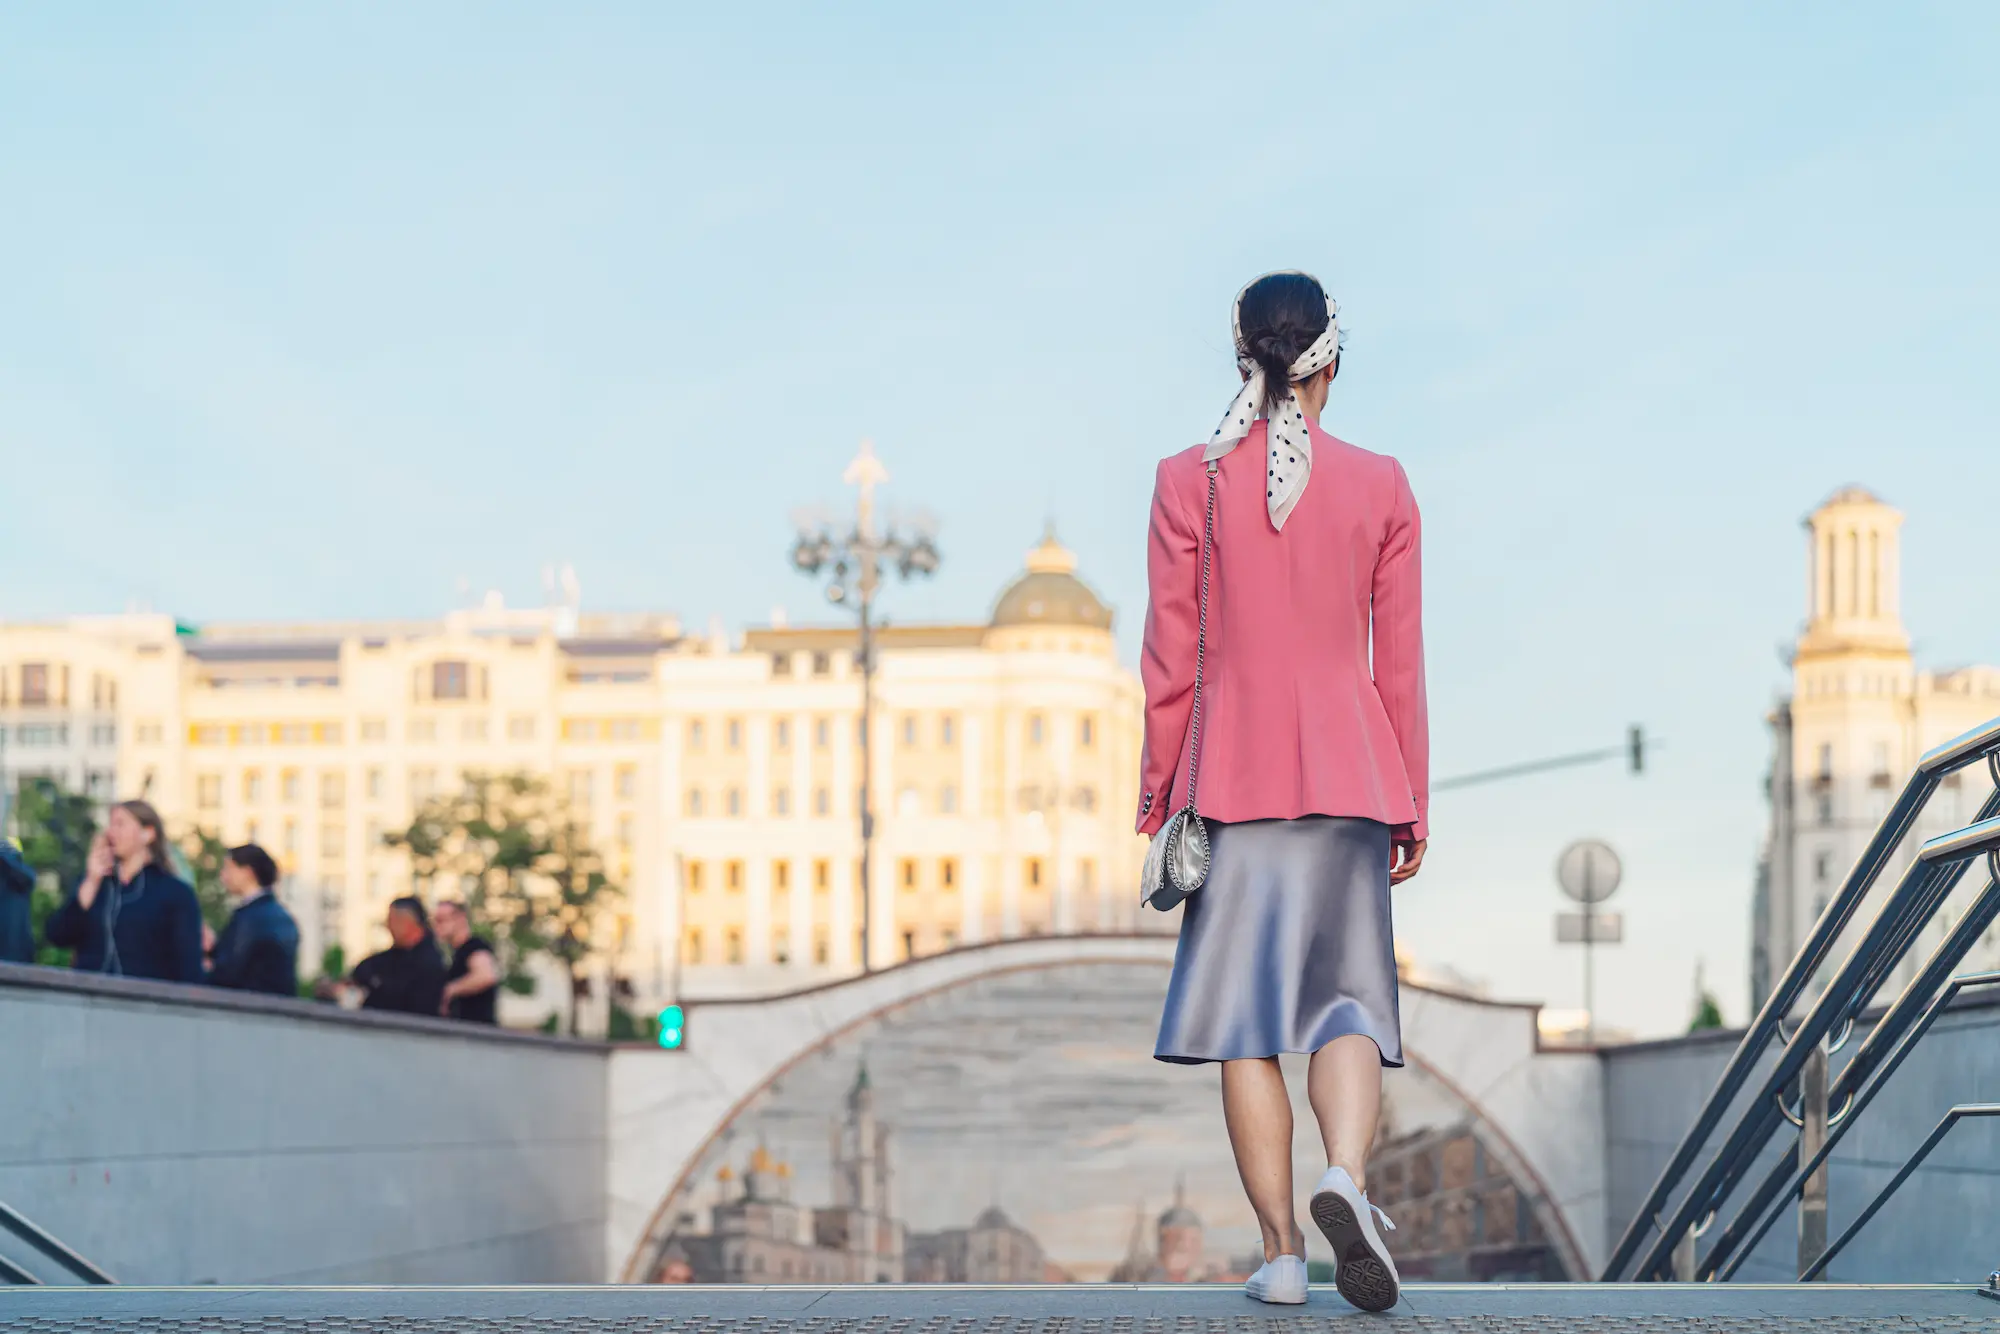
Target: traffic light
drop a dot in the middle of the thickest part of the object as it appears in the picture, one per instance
(1636, 741)
(673, 1028)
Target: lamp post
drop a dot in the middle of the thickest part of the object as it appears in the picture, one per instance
(855, 562)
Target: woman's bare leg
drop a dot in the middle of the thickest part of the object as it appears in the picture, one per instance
(1344, 1084)
(1259, 1115)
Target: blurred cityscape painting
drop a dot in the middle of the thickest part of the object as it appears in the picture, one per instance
(1016, 1130)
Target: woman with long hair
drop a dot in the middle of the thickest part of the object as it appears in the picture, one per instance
(130, 914)
(1283, 666)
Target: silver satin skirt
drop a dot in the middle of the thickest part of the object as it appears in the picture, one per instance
(1288, 946)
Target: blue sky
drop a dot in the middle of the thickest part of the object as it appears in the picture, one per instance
(323, 310)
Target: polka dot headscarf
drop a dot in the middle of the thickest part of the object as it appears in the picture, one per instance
(1289, 437)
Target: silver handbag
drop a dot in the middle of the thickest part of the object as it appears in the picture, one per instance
(1177, 862)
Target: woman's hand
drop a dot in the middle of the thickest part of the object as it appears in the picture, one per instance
(96, 865)
(1412, 851)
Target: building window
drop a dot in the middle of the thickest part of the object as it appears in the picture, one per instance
(948, 873)
(1086, 875)
(374, 785)
(733, 731)
(423, 784)
(291, 844)
(781, 877)
(694, 877)
(906, 873)
(733, 801)
(333, 789)
(735, 939)
(151, 734)
(697, 735)
(1086, 731)
(581, 788)
(1826, 759)
(950, 938)
(909, 944)
(694, 945)
(947, 731)
(208, 791)
(423, 729)
(781, 801)
(781, 734)
(448, 680)
(1824, 807)
(250, 828)
(1822, 866)
(822, 801)
(374, 729)
(948, 800)
(819, 947)
(34, 683)
(623, 729)
(781, 946)
(732, 876)
(625, 832)
(822, 664)
(288, 787)
(293, 734)
(694, 801)
(253, 785)
(822, 875)
(332, 841)
(781, 664)
(1034, 729)
(822, 733)
(627, 782)
(909, 729)
(472, 729)
(1085, 799)
(1034, 873)
(521, 727)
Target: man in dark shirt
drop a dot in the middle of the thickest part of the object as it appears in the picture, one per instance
(408, 977)
(259, 949)
(472, 983)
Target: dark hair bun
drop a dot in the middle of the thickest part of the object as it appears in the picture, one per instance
(1281, 315)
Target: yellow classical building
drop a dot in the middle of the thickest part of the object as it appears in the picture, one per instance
(719, 777)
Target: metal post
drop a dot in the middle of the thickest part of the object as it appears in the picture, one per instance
(1589, 976)
(1684, 1258)
(867, 765)
(1812, 1134)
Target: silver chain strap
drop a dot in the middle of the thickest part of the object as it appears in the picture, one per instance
(1201, 639)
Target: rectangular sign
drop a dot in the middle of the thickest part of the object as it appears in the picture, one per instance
(1606, 928)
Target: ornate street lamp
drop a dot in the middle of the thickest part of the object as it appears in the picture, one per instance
(855, 562)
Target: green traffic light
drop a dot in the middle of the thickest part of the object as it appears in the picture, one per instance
(673, 1027)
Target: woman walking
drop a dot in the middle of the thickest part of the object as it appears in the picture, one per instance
(1284, 642)
(130, 914)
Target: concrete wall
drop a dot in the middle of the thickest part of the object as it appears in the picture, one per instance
(180, 1135)
(1943, 1225)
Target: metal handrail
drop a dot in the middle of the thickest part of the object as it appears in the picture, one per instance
(1964, 1111)
(24, 1228)
(1724, 1266)
(1882, 1046)
(1918, 894)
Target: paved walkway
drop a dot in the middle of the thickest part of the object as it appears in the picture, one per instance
(1082, 1309)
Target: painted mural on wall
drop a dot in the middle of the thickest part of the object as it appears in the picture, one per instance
(1017, 1130)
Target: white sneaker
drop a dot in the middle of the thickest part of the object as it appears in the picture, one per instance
(1281, 1282)
(1363, 1271)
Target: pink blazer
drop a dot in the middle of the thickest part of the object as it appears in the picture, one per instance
(1297, 719)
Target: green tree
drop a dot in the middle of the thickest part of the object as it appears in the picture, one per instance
(1707, 1010)
(199, 857)
(525, 867)
(54, 827)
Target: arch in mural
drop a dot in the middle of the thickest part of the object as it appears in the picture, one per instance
(996, 1023)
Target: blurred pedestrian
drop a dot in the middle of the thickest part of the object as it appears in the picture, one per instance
(131, 915)
(472, 982)
(17, 891)
(408, 977)
(259, 949)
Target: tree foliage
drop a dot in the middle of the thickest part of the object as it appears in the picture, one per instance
(525, 867)
(54, 827)
(200, 855)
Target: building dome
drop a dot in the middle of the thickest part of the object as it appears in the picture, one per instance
(992, 1220)
(1050, 593)
(1179, 1215)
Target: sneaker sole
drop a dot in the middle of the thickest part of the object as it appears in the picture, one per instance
(1359, 1274)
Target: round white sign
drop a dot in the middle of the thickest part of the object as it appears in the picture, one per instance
(1589, 871)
